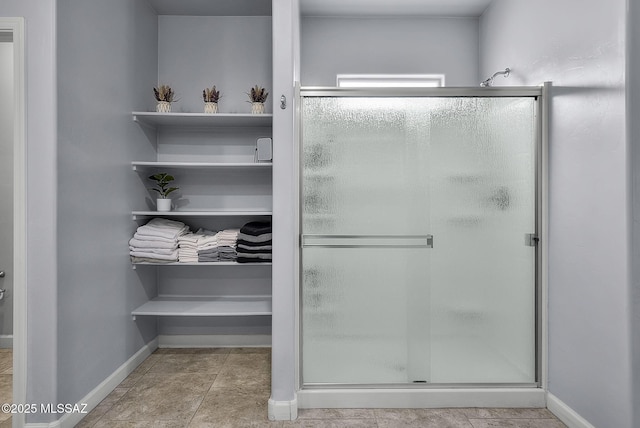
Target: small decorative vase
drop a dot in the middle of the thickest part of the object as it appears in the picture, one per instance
(210, 108)
(163, 107)
(257, 108)
(163, 205)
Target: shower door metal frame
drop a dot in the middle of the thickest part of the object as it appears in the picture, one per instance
(541, 115)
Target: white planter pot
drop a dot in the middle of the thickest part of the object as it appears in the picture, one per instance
(163, 107)
(210, 108)
(257, 108)
(163, 205)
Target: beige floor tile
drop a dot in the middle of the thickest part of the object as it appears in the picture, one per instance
(516, 423)
(245, 370)
(233, 407)
(189, 363)
(124, 424)
(147, 364)
(507, 413)
(332, 423)
(336, 414)
(162, 351)
(230, 387)
(250, 350)
(162, 396)
(6, 362)
(140, 371)
(424, 418)
(6, 389)
(103, 407)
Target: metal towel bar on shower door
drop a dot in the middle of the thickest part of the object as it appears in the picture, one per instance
(367, 241)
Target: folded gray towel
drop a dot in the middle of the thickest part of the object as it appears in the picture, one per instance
(260, 238)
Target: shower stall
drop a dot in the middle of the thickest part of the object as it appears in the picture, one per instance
(420, 222)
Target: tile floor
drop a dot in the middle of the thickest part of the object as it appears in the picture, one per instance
(6, 383)
(176, 388)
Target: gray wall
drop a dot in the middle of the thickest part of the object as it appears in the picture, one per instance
(231, 52)
(581, 49)
(331, 46)
(107, 66)
(633, 129)
(41, 191)
(6, 188)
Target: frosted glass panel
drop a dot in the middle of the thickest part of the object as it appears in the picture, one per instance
(482, 274)
(385, 310)
(364, 157)
(357, 323)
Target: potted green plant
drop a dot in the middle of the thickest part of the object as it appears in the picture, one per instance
(210, 97)
(162, 180)
(257, 98)
(164, 96)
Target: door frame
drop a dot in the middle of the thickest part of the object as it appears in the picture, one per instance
(17, 27)
(520, 395)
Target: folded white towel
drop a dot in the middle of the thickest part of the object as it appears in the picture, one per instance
(141, 243)
(227, 237)
(163, 228)
(165, 224)
(153, 238)
(189, 238)
(147, 260)
(164, 251)
(207, 240)
(149, 255)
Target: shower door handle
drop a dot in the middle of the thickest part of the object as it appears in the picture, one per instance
(367, 241)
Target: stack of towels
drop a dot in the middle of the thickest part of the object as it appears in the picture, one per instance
(254, 243)
(227, 244)
(189, 244)
(157, 241)
(208, 246)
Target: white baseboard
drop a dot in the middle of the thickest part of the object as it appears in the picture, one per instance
(6, 341)
(565, 413)
(283, 410)
(214, 341)
(421, 398)
(93, 398)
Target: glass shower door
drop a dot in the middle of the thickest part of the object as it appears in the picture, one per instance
(414, 215)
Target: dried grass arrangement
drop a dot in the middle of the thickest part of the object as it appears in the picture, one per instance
(258, 95)
(164, 93)
(210, 95)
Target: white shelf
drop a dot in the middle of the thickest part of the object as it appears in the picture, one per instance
(201, 264)
(209, 8)
(245, 213)
(136, 165)
(205, 306)
(238, 120)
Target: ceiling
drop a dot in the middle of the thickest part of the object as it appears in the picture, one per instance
(393, 7)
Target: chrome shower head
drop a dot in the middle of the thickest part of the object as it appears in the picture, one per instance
(488, 82)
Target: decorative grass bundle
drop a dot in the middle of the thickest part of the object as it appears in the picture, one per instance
(210, 95)
(258, 95)
(164, 93)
